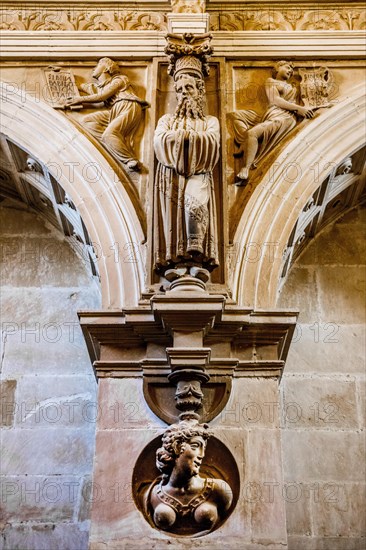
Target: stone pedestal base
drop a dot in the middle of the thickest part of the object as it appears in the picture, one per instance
(237, 356)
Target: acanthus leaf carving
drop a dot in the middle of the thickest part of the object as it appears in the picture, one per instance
(322, 20)
(188, 6)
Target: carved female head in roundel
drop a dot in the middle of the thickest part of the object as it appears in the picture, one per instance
(174, 442)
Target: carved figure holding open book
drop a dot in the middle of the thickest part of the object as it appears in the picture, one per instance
(116, 124)
(257, 135)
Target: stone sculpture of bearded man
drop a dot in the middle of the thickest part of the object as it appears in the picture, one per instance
(187, 149)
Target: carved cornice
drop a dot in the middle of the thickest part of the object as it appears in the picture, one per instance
(255, 344)
(137, 327)
(152, 16)
(59, 45)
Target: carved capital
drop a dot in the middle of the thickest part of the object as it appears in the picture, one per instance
(188, 52)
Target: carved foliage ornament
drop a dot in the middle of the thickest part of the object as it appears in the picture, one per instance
(188, 6)
(74, 19)
(279, 18)
(276, 18)
(189, 46)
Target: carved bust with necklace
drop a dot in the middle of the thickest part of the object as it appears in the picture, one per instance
(182, 499)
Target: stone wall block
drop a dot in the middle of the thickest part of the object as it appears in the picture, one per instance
(113, 505)
(319, 403)
(14, 223)
(345, 245)
(7, 402)
(69, 402)
(340, 510)
(123, 406)
(327, 348)
(46, 536)
(239, 523)
(323, 456)
(361, 398)
(25, 358)
(39, 498)
(264, 486)
(55, 305)
(329, 543)
(253, 404)
(41, 451)
(340, 306)
(305, 301)
(36, 261)
(298, 513)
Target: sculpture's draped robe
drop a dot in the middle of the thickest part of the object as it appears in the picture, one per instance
(116, 125)
(276, 121)
(184, 202)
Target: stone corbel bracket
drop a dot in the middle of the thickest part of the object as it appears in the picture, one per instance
(197, 335)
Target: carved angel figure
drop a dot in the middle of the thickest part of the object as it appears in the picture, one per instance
(257, 135)
(187, 149)
(181, 497)
(115, 125)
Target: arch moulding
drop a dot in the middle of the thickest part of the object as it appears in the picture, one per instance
(276, 203)
(87, 177)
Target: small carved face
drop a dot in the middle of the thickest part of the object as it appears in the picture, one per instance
(32, 165)
(191, 455)
(99, 69)
(186, 87)
(284, 72)
(345, 167)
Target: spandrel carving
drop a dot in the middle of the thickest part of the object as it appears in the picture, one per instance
(181, 500)
(186, 145)
(255, 135)
(116, 124)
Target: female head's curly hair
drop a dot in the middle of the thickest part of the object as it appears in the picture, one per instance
(279, 64)
(172, 439)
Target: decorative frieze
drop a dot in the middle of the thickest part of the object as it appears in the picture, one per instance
(49, 18)
(283, 18)
(234, 17)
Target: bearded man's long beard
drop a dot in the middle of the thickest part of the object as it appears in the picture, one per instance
(189, 108)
